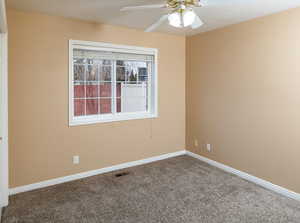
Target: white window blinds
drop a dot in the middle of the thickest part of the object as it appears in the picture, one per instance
(106, 55)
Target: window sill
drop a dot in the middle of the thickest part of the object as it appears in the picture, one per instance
(109, 118)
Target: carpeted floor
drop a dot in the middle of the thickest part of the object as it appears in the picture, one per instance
(177, 190)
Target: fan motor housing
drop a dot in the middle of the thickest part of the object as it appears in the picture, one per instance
(176, 3)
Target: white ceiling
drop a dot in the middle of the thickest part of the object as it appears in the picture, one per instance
(216, 13)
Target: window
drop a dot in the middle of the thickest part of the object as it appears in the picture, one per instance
(111, 83)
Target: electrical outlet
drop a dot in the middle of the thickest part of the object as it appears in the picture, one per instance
(76, 159)
(208, 147)
(196, 143)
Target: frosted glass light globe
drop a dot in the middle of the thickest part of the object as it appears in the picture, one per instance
(175, 19)
(188, 17)
(182, 19)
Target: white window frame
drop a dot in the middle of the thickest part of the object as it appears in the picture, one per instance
(102, 118)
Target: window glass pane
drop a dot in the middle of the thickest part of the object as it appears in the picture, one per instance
(105, 105)
(132, 75)
(79, 107)
(89, 61)
(134, 90)
(79, 60)
(92, 106)
(118, 89)
(119, 105)
(132, 86)
(142, 74)
(120, 63)
(105, 90)
(120, 74)
(92, 90)
(105, 73)
(134, 104)
(79, 71)
(132, 71)
(92, 73)
(132, 97)
(79, 90)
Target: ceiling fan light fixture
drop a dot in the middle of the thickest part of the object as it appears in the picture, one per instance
(181, 13)
(175, 19)
(188, 17)
(181, 19)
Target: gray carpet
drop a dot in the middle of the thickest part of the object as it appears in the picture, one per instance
(177, 190)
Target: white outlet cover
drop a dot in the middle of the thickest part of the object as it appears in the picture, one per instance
(208, 147)
(76, 160)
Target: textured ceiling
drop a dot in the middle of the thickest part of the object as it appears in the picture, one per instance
(216, 13)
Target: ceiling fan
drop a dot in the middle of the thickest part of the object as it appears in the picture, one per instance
(182, 13)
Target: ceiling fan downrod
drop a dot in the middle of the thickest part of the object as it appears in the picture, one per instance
(175, 4)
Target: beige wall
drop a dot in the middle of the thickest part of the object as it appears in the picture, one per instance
(243, 96)
(41, 143)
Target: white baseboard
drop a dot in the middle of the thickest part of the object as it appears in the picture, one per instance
(60, 180)
(246, 176)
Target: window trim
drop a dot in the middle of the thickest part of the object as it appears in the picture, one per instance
(104, 118)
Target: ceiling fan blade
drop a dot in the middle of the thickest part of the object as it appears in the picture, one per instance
(203, 3)
(197, 23)
(157, 24)
(141, 7)
(206, 3)
(198, 3)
